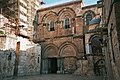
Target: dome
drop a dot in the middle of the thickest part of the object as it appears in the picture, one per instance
(95, 21)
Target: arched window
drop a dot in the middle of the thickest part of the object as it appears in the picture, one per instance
(67, 23)
(88, 18)
(96, 45)
(52, 26)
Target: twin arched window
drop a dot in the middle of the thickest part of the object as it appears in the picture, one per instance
(67, 24)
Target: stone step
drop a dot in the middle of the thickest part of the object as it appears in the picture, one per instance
(58, 77)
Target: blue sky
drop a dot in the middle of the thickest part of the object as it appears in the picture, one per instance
(86, 2)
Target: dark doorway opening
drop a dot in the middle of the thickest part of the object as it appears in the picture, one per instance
(52, 65)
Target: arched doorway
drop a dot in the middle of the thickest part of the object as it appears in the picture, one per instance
(50, 59)
(68, 58)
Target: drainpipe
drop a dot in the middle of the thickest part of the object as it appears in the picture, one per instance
(17, 54)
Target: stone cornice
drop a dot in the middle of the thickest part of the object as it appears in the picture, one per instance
(59, 5)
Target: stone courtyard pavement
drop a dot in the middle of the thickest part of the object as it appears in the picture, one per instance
(57, 77)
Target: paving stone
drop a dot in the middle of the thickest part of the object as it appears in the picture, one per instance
(58, 77)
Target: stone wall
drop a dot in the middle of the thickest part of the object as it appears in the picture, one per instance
(33, 61)
(7, 60)
(29, 62)
(84, 68)
(58, 14)
(117, 45)
(67, 50)
(61, 42)
(114, 38)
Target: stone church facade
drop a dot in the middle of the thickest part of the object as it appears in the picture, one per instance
(59, 31)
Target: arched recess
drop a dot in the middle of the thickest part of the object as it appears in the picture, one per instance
(49, 15)
(66, 12)
(49, 59)
(47, 18)
(68, 45)
(67, 49)
(96, 44)
(87, 16)
(50, 51)
(93, 36)
(98, 58)
(89, 11)
(69, 13)
(68, 52)
(49, 31)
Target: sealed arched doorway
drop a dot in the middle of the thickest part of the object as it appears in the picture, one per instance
(67, 58)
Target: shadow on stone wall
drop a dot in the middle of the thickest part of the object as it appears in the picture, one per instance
(29, 63)
(83, 68)
(7, 60)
